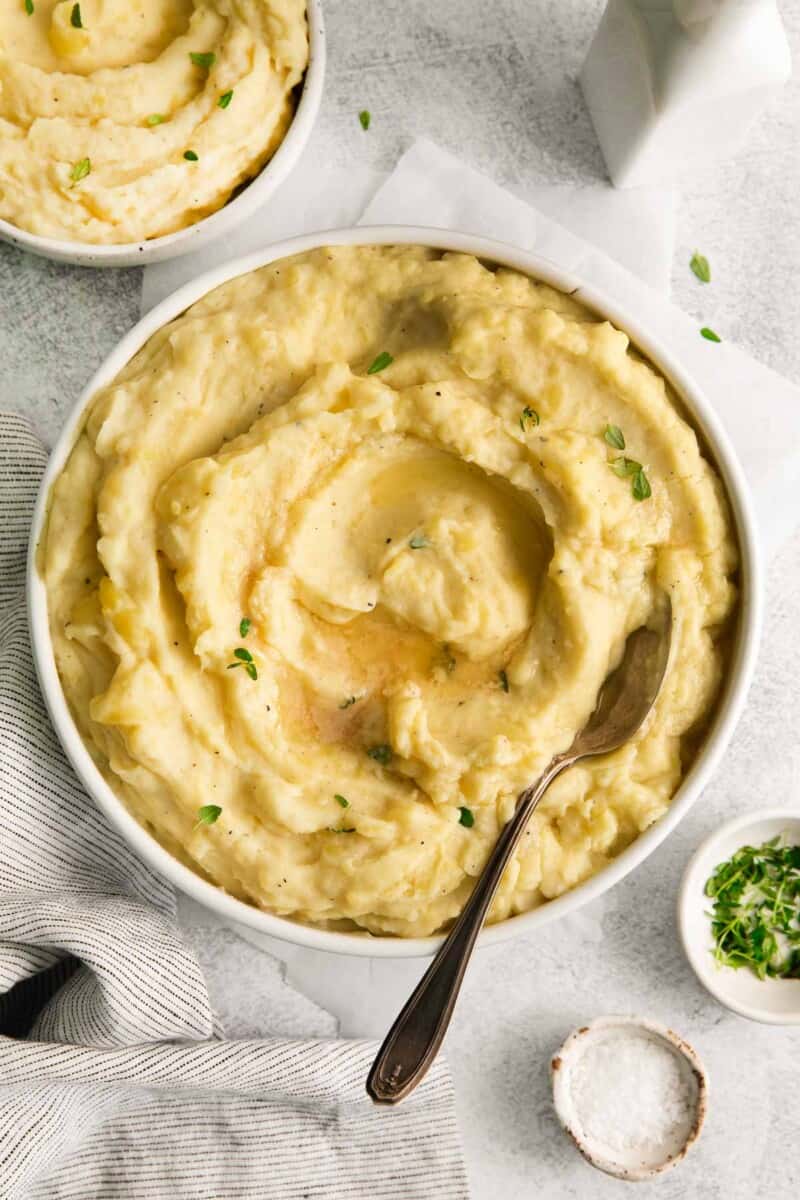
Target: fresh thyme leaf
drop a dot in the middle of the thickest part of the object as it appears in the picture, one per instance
(625, 466)
(641, 486)
(755, 917)
(29, 7)
(75, 17)
(208, 814)
(80, 170)
(418, 542)
(529, 417)
(503, 680)
(365, 116)
(243, 659)
(341, 800)
(156, 119)
(699, 264)
(190, 156)
(225, 99)
(466, 817)
(347, 702)
(244, 626)
(709, 334)
(614, 437)
(381, 754)
(380, 363)
(204, 59)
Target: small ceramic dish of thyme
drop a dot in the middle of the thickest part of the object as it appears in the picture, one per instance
(739, 915)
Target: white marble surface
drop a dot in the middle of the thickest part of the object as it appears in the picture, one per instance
(495, 83)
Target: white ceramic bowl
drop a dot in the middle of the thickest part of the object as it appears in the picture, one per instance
(171, 245)
(731, 702)
(645, 1160)
(773, 1001)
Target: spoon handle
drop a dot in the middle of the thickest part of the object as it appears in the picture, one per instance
(413, 1042)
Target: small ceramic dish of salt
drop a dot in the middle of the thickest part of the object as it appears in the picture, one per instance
(631, 1094)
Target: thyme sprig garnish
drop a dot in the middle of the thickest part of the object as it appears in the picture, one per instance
(755, 917)
(627, 467)
(244, 659)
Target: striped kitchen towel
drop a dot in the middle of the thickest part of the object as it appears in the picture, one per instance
(112, 1081)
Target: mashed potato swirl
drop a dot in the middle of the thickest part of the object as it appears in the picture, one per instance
(358, 607)
(101, 103)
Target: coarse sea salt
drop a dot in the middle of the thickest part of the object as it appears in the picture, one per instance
(631, 1090)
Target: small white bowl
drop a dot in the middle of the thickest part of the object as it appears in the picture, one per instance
(634, 1163)
(730, 704)
(773, 1001)
(172, 245)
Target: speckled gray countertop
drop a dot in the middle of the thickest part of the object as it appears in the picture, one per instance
(495, 83)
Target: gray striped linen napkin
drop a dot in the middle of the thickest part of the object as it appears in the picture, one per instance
(113, 1079)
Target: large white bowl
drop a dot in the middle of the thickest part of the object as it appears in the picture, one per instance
(171, 245)
(728, 710)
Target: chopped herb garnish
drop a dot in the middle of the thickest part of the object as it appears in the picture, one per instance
(641, 486)
(529, 417)
(755, 917)
(244, 659)
(466, 817)
(380, 363)
(418, 541)
(348, 701)
(208, 814)
(225, 99)
(244, 626)
(709, 334)
(614, 436)
(341, 800)
(29, 7)
(190, 156)
(365, 116)
(80, 170)
(381, 754)
(331, 830)
(75, 17)
(629, 468)
(625, 466)
(156, 119)
(205, 59)
(501, 675)
(699, 264)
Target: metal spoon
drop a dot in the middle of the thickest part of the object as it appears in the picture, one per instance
(625, 699)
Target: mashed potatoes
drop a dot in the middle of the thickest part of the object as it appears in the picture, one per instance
(122, 121)
(342, 559)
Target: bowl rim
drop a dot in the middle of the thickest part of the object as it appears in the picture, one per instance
(224, 219)
(728, 709)
(686, 905)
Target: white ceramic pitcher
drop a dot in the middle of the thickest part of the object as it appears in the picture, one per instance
(673, 85)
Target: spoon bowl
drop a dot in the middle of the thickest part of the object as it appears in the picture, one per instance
(624, 701)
